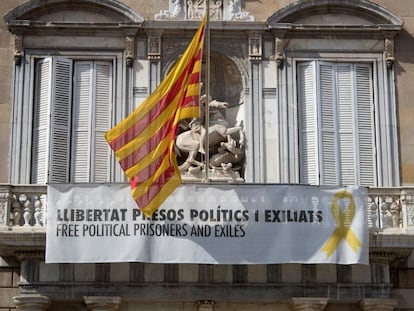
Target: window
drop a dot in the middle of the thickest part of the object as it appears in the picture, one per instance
(336, 123)
(72, 110)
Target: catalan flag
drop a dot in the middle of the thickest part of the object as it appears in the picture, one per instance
(144, 141)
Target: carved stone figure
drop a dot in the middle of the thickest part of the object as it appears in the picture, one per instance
(226, 144)
(176, 11)
(195, 9)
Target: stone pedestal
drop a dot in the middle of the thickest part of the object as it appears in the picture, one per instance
(378, 304)
(102, 303)
(309, 304)
(31, 302)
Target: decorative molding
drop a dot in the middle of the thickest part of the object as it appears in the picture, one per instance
(102, 303)
(309, 304)
(389, 50)
(31, 302)
(18, 49)
(255, 46)
(129, 50)
(140, 91)
(378, 304)
(279, 52)
(154, 48)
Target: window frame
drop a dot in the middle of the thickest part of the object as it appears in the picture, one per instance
(316, 126)
(23, 105)
(385, 126)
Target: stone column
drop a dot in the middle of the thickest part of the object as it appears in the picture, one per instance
(31, 302)
(205, 305)
(378, 304)
(309, 304)
(102, 303)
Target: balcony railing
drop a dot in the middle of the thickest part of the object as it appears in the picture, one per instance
(388, 209)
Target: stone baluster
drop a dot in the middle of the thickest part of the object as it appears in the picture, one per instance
(16, 211)
(385, 216)
(39, 209)
(27, 209)
(31, 302)
(373, 216)
(309, 304)
(378, 304)
(395, 214)
(5, 196)
(102, 303)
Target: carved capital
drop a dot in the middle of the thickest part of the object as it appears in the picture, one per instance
(18, 49)
(389, 51)
(309, 304)
(279, 51)
(129, 50)
(154, 48)
(255, 47)
(378, 304)
(31, 302)
(102, 303)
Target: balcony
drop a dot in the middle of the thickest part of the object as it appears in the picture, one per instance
(390, 215)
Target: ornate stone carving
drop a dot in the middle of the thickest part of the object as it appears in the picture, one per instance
(129, 50)
(279, 52)
(216, 10)
(31, 302)
(235, 11)
(175, 11)
(18, 49)
(255, 47)
(195, 9)
(389, 51)
(226, 145)
(154, 48)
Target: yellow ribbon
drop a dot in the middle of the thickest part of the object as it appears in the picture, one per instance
(344, 220)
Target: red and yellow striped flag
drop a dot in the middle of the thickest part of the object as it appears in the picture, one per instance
(144, 141)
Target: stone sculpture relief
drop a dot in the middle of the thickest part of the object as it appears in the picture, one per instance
(195, 10)
(226, 145)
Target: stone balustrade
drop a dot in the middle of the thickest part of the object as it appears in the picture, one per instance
(23, 205)
(388, 209)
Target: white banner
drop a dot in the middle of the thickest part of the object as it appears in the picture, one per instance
(207, 224)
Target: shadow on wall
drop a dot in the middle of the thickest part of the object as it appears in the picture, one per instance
(404, 50)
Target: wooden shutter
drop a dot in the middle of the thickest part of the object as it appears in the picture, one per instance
(60, 121)
(82, 116)
(51, 123)
(41, 113)
(91, 118)
(346, 115)
(102, 121)
(327, 126)
(365, 124)
(309, 169)
(336, 123)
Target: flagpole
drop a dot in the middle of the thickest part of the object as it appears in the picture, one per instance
(207, 92)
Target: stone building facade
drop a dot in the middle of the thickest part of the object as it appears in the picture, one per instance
(318, 90)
